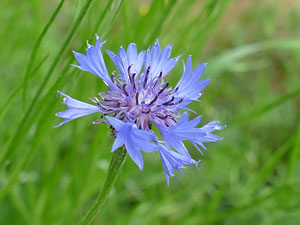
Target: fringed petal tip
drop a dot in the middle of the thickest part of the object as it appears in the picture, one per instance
(222, 127)
(58, 92)
(169, 174)
(58, 125)
(178, 57)
(196, 164)
(172, 161)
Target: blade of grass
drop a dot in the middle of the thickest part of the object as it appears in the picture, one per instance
(36, 48)
(41, 126)
(213, 204)
(108, 17)
(112, 9)
(215, 11)
(48, 76)
(144, 25)
(38, 137)
(19, 203)
(227, 58)
(266, 108)
(267, 168)
(16, 140)
(12, 97)
(198, 30)
(294, 156)
(53, 89)
(250, 205)
(167, 10)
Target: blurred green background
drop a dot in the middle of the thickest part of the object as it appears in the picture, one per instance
(51, 176)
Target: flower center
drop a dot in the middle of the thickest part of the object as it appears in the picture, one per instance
(142, 99)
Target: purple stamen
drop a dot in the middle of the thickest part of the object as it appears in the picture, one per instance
(147, 75)
(129, 67)
(162, 117)
(133, 81)
(158, 79)
(146, 112)
(168, 102)
(164, 88)
(153, 100)
(178, 102)
(112, 78)
(137, 98)
(124, 89)
(93, 100)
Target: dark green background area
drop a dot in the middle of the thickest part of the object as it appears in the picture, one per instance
(52, 175)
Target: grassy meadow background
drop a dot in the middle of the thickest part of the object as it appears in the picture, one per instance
(50, 176)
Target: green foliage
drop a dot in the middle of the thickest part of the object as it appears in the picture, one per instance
(51, 176)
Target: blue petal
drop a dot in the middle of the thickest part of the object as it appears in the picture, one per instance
(75, 113)
(93, 62)
(183, 119)
(124, 59)
(135, 140)
(159, 61)
(190, 85)
(75, 109)
(213, 125)
(73, 103)
(117, 124)
(172, 161)
(145, 146)
(131, 52)
(63, 122)
(144, 135)
(118, 63)
(176, 143)
(186, 130)
(137, 66)
(134, 152)
(121, 137)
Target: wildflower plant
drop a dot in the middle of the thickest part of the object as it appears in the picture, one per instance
(139, 97)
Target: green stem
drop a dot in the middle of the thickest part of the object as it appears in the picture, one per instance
(115, 167)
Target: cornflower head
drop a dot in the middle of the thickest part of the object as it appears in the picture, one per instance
(138, 97)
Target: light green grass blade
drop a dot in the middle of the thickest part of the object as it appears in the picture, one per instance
(18, 201)
(166, 11)
(229, 57)
(42, 126)
(108, 17)
(48, 76)
(294, 156)
(12, 97)
(267, 168)
(36, 48)
(250, 205)
(266, 108)
(46, 107)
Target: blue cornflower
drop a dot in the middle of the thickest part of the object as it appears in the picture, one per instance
(139, 97)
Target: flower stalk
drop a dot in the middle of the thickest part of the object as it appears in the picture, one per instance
(115, 167)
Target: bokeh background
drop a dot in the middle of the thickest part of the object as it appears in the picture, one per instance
(51, 176)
